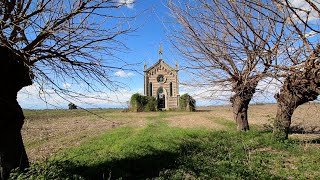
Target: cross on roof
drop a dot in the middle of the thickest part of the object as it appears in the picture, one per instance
(160, 51)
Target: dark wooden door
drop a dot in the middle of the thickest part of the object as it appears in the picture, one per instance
(161, 101)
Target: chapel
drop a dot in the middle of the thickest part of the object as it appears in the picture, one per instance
(161, 81)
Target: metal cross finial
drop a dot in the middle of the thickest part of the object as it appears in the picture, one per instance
(160, 51)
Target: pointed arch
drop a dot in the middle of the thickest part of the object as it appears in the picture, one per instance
(162, 98)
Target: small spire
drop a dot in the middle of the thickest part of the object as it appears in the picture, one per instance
(160, 51)
(145, 65)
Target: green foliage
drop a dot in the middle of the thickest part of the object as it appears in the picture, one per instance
(151, 104)
(135, 103)
(72, 106)
(141, 103)
(187, 103)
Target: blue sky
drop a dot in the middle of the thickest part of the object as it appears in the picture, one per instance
(143, 47)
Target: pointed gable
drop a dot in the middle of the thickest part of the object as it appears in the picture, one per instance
(161, 67)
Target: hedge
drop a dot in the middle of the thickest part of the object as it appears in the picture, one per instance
(139, 103)
(187, 103)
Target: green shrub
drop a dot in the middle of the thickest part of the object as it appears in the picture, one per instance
(187, 103)
(135, 103)
(151, 104)
(139, 103)
(72, 106)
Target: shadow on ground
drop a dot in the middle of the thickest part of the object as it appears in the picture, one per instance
(140, 167)
(203, 110)
(218, 155)
(297, 129)
(191, 161)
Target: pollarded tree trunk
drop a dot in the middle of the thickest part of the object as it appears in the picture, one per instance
(240, 102)
(287, 102)
(283, 120)
(12, 152)
(13, 76)
(240, 112)
(298, 88)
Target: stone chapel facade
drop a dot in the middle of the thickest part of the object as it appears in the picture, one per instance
(161, 81)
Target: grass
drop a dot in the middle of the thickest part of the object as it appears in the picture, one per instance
(159, 151)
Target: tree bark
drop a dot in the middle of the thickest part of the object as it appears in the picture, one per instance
(298, 88)
(12, 151)
(240, 103)
(14, 75)
(240, 112)
(283, 120)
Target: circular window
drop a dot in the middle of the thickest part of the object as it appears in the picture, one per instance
(160, 78)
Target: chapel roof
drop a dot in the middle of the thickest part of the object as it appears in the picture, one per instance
(160, 61)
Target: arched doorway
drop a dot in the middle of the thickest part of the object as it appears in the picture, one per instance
(161, 96)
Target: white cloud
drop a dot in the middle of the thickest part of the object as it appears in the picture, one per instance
(128, 3)
(32, 97)
(310, 34)
(302, 4)
(121, 73)
(266, 90)
(220, 94)
(66, 85)
(210, 95)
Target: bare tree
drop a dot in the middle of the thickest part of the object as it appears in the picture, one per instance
(228, 44)
(300, 68)
(48, 42)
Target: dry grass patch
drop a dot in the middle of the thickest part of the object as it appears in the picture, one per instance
(305, 120)
(193, 120)
(306, 115)
(44, 137)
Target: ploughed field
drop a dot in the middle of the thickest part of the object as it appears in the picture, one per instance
(109, 143)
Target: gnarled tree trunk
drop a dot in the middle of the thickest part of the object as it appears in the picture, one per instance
(283, 118)
(240, 112)
(14, 75)
(240, 102)
(298, 88)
